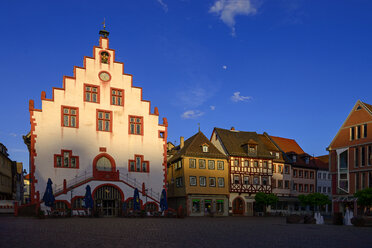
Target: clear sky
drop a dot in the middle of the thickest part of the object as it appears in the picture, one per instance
(292, 68)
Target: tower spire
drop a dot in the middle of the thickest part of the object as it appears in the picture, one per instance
(104, 33)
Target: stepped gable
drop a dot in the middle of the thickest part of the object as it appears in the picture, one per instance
(193, 148)
(233, 142)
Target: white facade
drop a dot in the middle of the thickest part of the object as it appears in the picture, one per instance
(100, 137)
(324, 182)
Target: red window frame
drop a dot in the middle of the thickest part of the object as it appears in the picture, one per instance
(115, 95)
(70, 157)
(90, 91)
(162, 134)
(63, 114)
(142, 164)
(135, 123)
(104, 119)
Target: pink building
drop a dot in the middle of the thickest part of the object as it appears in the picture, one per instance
(97, 130)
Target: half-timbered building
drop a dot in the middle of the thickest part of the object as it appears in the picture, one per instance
(250, 166)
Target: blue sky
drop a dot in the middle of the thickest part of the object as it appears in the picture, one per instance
(292, 68)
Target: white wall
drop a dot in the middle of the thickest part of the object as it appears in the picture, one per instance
(85, 141)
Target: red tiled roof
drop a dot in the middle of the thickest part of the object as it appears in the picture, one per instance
(288, 145)
(321, 162)
(27, 177)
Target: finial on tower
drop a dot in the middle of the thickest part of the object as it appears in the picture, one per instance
(199, 126)
(104, 33)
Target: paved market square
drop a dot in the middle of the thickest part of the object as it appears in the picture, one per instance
(167, 232)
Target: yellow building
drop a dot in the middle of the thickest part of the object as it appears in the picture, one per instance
(6, 177)
(197, 177)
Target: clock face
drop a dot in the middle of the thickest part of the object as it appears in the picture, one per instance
(104, 76)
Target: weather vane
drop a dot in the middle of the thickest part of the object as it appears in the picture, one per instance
(104, 23)
(104, 33)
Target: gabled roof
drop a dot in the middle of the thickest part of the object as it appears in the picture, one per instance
(288, 145)
(233, 140)
(193, 148)
(321, 162)
(271, 147)
(366, 106)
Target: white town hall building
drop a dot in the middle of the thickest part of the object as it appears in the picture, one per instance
(97, 130)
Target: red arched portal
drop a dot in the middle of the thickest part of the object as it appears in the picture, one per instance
(108, 200)
(104, 167)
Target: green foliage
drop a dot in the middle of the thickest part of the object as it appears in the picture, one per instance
(263, 199)
(314, 199)
(303, 200)
(271, 199)
(364, 197)
(260, 198)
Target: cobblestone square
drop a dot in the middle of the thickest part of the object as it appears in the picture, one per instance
(165, 232)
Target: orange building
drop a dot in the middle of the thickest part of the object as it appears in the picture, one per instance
(351, 157)
(197, 177)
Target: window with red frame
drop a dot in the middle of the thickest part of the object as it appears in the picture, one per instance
(104, 120)
(70, 117)
(135, 125)
(91, 93)
(139, 165)
(117, 97)
(66, 160)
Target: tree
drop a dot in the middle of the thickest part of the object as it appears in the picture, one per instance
(364, 198)
(314, 199)
(263, 200)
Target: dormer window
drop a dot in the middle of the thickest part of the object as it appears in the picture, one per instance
(294, 158)
(277, 155)
(252, 149)
(205, 148)
(307, 160)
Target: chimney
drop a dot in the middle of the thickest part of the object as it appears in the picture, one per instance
(232, 129)
(181, 142)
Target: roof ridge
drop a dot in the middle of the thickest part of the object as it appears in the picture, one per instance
(282, 138)
(367, 106)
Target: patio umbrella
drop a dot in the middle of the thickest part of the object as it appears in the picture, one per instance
(136, 200)
(163, 201)
(88, 199)
(48, 197)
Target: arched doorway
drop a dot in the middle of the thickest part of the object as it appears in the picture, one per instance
(238, 206)
(108, 200)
